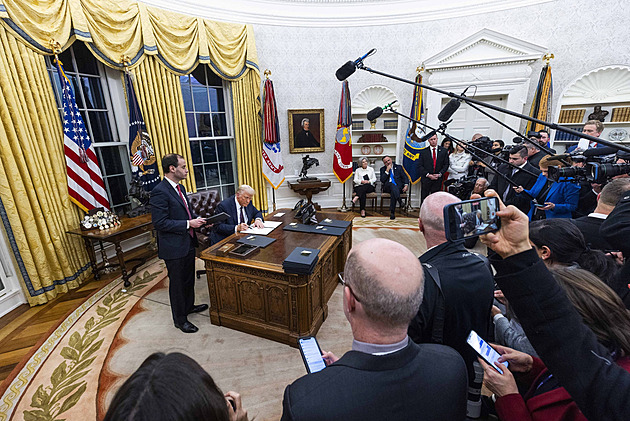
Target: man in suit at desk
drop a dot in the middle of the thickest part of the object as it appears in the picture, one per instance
(395, 182)
(433, 164)
(242, 213)
(386, 376)
(174, 222)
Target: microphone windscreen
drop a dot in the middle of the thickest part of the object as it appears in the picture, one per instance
(428, 136)
(346, 70)
(606, 150)
(374, 113)
(448, 110)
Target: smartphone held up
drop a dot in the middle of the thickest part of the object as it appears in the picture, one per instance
(471, 218)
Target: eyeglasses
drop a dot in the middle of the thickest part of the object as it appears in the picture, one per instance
(343, 282)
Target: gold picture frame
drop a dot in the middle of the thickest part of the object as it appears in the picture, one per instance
(311, 140)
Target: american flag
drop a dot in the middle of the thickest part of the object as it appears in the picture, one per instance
(85, 182)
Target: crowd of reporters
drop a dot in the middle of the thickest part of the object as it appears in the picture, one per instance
(553, 297)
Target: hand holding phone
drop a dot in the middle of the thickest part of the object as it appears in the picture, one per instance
(311, 354)
(485, 351)
(471, 218)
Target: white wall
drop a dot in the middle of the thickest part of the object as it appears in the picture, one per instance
(581, 34)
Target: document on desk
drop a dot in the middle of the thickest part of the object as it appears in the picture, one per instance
(269, 226)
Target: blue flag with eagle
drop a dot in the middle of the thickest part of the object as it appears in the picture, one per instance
(143, 160)
(413, 143)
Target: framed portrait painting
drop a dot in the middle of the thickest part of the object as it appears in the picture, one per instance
(306, 131)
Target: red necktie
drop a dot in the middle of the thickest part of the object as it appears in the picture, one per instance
(434, 159)
(179, 190)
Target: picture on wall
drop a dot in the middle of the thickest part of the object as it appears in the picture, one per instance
(306, 131)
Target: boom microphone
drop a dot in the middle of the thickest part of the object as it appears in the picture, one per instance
(428, 136)
(449, 109)
(350, 67)
(376, 112)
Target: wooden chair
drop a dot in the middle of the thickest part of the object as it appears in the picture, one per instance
(387, 196)
(204, 203)
(373, 197)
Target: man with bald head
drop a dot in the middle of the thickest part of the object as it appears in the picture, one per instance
(386, 375)
(458, 292)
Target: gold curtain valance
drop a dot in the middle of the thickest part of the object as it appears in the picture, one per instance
(116, 28)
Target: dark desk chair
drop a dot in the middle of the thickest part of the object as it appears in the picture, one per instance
(204, 203)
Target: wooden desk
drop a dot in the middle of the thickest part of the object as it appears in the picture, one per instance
(309, 188)
(254, 295)
(129, 228)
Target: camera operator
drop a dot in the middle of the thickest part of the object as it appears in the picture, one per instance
(518, 157)
(623, 157)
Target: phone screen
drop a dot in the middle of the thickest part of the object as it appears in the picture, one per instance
(311, 354)
(471, 218)
(484, 350)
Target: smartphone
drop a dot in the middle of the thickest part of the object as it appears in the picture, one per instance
(471, 218)
(311, 354)
(539, 205)
(484, 350)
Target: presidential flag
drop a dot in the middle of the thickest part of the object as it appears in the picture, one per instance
(143, 160)
(541, 105)
(413, 142)
(342, 156)
(272, 167)
(85, 182)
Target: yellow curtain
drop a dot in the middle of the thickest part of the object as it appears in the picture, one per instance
(247, 135)
(35, 206)
(160, 97)
(117, 28)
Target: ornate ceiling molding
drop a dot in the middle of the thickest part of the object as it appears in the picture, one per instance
(336, 13)
(605, 84)
(372, 97)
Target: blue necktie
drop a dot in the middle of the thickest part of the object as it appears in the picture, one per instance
(391, 176)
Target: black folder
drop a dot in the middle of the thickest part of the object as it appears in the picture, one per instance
(302, 260)
(256, 240)
(335, 223)
(315, 229)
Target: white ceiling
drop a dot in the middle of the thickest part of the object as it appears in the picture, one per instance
(336, 13)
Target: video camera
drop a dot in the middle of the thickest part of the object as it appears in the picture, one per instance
(463, 187)
(595, 170)
(484, 143)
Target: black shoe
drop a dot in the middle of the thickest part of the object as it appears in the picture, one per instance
(198, 308)
(187, 327)
(392, 216)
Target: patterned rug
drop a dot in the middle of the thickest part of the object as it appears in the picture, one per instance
(75, 372)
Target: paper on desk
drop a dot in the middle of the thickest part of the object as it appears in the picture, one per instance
(269, 226)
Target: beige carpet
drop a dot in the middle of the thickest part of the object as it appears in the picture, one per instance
(76, 372)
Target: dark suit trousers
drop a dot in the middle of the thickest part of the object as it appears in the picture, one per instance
(394, 192)
(362, 190)
(430, 186)
(181, 289)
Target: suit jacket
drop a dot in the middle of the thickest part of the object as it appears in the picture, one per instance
(425, 162)
(563, 193)
(521, 178)
(534, 160)
(616, 230)
(226, 228)
(589, 226)
(400, 177)
(427, 381)
(169, 216)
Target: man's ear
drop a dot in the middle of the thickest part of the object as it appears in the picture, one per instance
(349, 299)
(420, 225)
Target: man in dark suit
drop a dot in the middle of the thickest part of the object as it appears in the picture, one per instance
(304, 138)
(385, 376)
(534, 154)
(174, 221)
(395, 182)
(606, 201)
(463, 299)
(518, 157)
(242, 213)
(433, 164)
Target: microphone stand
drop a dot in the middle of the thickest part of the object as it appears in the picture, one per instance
(554, 126)
(538, 145)
(466, 145)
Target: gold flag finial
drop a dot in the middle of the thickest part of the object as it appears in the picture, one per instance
(54, 46)
(420, 69)
(125, 60)
(267, 73)
(548, 57)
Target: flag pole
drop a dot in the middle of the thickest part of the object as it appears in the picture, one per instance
(343, 207)
(267, 73)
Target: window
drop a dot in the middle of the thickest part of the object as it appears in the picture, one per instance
(91, 91)
(210, 131)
